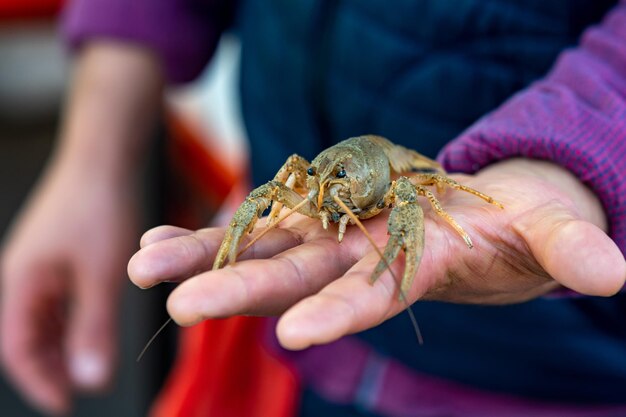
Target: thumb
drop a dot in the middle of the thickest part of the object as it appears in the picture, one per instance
(576, 253)
(92, 338)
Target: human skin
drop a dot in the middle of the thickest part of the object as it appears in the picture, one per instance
(62, 265)
(521, 252)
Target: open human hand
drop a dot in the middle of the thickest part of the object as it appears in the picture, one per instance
(549, 235)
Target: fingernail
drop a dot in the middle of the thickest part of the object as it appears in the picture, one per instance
(88, 370)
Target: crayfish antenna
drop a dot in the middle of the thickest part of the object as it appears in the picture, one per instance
(407, 306)
(273, 225)
(145, 348)
(409, 310)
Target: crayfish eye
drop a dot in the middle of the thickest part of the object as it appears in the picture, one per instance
(310, 171)
(341, 173)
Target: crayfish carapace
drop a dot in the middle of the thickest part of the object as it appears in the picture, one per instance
(353, 180)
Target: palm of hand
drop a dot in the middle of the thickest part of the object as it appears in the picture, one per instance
(323, 288)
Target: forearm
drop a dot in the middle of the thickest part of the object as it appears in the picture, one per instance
(183, 34)
(111, 109)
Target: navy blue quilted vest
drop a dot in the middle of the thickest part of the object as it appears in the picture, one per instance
(418, 72)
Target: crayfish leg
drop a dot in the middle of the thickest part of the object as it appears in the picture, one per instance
(293, 175)
(436, 205)
(441, 181)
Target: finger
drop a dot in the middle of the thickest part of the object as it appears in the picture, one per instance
(160, 233)
(30, 340)
(577, 254)
(184, 256)
(259, 287)
(347, 305)
(92, 332)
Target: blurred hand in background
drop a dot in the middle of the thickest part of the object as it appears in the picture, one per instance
(63, 263)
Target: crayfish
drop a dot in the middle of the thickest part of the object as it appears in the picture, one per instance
(351, 181)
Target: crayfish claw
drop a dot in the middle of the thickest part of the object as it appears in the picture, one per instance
(394, 244)
(406, 231)
(242, 223)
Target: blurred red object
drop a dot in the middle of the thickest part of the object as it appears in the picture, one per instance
(223, 367)
(203, 168)
(29, 9)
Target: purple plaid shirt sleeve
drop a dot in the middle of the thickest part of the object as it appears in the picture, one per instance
(183, 33)
(575, 117)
